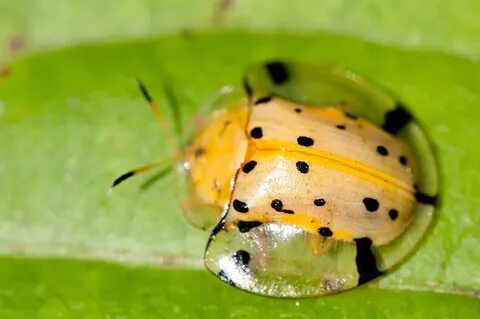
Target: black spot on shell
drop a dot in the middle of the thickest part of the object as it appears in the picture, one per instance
(278, 72)
(256, 132)
(263, 100)
(350, 116)
(302, 167)
(239, 206)
(199, 152)
(371, 204)
(393, 214)
(403, 160)
(341, 127)
(382, 150)
(223, 276)
(247, 87)
(277, 205)
(298, 110)
(241, 258)
(396, 119)
(319, 202)
(219, 227)
(325, 231)
(365, 260)
(248, 167)
(425, 199)
(304, 141)
(246, 226)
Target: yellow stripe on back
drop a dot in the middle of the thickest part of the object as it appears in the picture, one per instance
(270, 148)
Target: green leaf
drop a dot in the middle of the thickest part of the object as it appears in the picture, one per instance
(429, 24)
(72, 120)
(74, 289)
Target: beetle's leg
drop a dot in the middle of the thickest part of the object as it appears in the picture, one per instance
(318, 245)
(198, 213)
(263, 251)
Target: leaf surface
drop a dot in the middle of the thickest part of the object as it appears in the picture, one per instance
(71, 120)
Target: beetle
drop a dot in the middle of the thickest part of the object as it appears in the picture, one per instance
(312, 181)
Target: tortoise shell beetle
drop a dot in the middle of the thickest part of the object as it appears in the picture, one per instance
(313, 180)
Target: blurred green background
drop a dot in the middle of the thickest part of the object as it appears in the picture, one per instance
(71, 119)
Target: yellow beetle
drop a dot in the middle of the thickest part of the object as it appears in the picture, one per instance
(313, 182)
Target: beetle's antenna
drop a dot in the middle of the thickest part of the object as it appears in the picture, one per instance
(156, 111)
(140, 170)
(166, 130)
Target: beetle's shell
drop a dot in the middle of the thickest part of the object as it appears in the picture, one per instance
(315, 200)
(345, 171)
